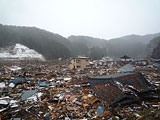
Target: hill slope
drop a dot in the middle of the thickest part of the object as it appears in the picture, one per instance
(53, 46)
(133, 45)
(88, 46)
(46, 43)
(154, 48)
(20, 52)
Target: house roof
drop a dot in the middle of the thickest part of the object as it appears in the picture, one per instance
(125, 57)
(43, 84)
(27, 94)
(113, 87)
(111, 76)
(16, 80)
(126, 68)
(80, 58)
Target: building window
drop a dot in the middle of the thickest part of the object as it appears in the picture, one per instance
(87, 65)
(78, 66)
(77, 61)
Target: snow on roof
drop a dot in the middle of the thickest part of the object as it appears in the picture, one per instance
(3, 102)
(80, 57)
(67, 79)
(2, 85)
(112, 76)
(126, 68)
(14, 68)
(11, 85)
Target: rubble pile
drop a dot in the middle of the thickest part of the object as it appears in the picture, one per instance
(51, 91)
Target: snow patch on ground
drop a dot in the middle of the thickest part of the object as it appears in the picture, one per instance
(21, 52)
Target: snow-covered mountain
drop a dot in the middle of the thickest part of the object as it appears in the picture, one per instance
(20, 52)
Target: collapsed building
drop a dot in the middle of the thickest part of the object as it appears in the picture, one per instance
(48, 91)
(123, 88)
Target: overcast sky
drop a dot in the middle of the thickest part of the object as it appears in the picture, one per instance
(97, 18)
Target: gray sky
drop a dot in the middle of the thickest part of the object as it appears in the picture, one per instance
(98, 18)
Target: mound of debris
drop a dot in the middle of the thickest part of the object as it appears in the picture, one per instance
(124, 88)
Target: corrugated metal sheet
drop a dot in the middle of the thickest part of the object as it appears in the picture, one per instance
(17, 80)
(43, 84)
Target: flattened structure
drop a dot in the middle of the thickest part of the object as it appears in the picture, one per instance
(112, 88)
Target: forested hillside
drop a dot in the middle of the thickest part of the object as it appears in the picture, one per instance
(53, 46)
(154, 48)
(134, 46)
(50, 45)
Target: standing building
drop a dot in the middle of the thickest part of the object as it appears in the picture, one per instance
(125, 58)
(80, 63)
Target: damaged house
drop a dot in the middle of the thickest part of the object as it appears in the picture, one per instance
(122, 88)
(80, 63)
